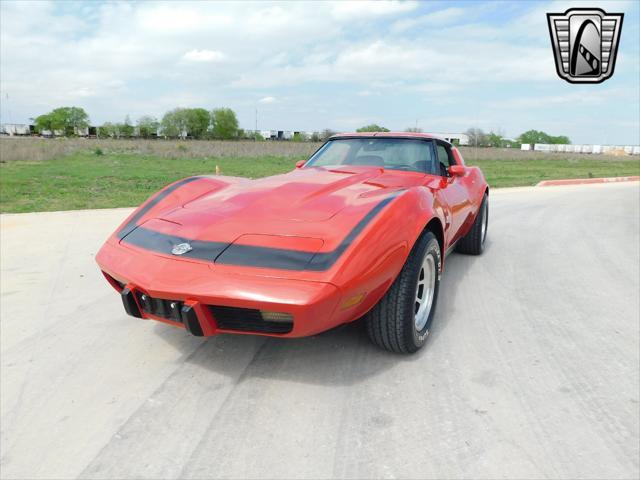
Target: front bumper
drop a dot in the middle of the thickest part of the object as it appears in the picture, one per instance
(192, 295)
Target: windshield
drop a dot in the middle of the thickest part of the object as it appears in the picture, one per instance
(390, 153)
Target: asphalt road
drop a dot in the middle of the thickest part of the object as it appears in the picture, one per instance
(532, 370)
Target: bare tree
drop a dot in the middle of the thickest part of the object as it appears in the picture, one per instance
(477, 137)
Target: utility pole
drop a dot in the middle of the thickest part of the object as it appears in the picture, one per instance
(255, 133)
(8, 110)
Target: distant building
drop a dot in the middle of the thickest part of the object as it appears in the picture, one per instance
(588, 149)
(305, 135)
(13, 129)
(23, 129)
(455, 138)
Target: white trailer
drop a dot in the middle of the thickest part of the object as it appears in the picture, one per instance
(542, 147)
(455, 138)
(12, 129)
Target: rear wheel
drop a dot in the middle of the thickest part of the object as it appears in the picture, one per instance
(473, 242)
(401, 320)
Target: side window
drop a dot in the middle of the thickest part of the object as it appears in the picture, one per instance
(444, 158)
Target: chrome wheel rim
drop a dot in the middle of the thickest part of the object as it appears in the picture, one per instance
(485, 220)
(424, 291)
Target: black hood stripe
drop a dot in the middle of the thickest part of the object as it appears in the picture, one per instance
(251, 255)
(132, 223)
(163, 243)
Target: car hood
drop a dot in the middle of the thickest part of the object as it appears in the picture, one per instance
(309, 204)
(304, 195)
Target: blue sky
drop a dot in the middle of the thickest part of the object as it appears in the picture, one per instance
(445, 66)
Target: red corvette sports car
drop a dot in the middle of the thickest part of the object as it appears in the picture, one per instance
(361, 229)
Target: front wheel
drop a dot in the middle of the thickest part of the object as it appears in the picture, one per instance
(401, 320)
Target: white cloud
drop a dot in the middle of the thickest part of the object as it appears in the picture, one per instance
(267, 100)
(350, 9)
(579, 98)
(438, 18)
(367, 93)
(203, 56)
(179, 18)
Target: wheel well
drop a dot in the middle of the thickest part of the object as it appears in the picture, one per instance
(434, 226)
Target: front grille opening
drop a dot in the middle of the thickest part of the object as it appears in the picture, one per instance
(118, 285)
(251, 320)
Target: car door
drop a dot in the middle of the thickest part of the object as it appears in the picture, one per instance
(453, 192)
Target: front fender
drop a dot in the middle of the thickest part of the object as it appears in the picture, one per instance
(174, 195)
(477, 186)
(374, 262)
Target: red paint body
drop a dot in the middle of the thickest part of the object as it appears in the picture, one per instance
(308, 210)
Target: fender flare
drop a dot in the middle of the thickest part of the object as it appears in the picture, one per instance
(407, 218)
(176, 193)
(432, 219)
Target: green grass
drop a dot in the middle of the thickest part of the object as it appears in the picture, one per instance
(517, 173)
(86, 180)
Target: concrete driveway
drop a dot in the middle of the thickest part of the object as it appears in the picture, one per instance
(532, 370)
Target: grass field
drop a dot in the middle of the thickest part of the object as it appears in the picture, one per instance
(83, 179)
(33, 148)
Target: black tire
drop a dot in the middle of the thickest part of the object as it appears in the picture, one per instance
(473, 242)
(391, 323)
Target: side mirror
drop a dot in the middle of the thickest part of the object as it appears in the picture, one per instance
(300, 163)
(457, 171)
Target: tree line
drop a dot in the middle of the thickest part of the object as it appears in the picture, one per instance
(477, 137)
(198, 123)
(222, 123)
(493, 139)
